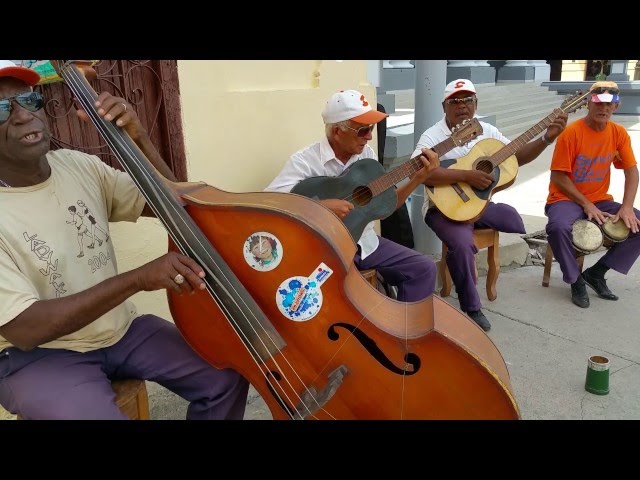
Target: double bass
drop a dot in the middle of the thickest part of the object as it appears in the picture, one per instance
(313, 337)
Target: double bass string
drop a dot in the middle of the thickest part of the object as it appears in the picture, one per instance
(75, 81)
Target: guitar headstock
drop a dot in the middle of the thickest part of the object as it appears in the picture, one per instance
(574, 102)
(466, 131)
(84, 66)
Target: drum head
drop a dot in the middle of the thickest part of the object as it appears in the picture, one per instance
(586, 236)
(615, 231)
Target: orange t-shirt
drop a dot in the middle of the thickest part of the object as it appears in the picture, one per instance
(587, 155)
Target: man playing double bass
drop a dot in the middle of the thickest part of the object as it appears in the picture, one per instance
(67, 329)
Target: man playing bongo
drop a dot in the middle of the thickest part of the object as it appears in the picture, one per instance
(580, 177)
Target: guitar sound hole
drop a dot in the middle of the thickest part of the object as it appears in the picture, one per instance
(484, 166)
(361, 196)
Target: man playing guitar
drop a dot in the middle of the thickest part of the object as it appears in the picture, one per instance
(460, 103)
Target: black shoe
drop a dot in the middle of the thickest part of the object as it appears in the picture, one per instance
(480, 319)
(599, 286)
(579, 294)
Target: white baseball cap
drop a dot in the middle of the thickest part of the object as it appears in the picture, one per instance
(350, 105)
(459, 85)
(10, 69)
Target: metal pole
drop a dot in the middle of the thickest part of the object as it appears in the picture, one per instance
(431, 78)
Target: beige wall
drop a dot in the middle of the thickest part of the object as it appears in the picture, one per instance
(242, 120)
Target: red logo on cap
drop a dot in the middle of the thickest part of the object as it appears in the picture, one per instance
(364, 101)
(459, 85)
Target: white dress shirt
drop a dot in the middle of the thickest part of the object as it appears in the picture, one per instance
(319, 159)
(440, 132)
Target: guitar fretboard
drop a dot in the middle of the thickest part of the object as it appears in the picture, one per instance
(407, 169)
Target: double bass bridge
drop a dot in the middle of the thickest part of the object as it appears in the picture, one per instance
(311, 400)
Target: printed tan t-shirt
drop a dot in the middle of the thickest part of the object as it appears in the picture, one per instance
(55, 241)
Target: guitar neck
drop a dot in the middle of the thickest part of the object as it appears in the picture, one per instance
(407, 169)
(513, 147)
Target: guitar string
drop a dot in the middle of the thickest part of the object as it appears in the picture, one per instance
(389, 179)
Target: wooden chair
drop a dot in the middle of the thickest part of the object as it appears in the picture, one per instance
(482, 238)
(548, 260)
(131, 397)
(370, 276)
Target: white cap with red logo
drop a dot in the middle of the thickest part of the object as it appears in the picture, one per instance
(459, 85)
(350, 105)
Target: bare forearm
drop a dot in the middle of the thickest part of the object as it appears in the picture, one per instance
(446, 176)
(151, 152)
(530, 151)
(404, 191)
(566, 186)
(630, 187)
(48, 320)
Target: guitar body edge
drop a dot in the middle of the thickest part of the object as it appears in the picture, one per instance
(450, 203)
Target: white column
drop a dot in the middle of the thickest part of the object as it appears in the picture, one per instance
(542, 70)
(482, 63)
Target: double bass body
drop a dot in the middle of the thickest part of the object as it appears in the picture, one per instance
(361, 355)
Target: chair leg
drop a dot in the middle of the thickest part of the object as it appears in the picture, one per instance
(580, 260)
(548, 260)
(493, 261)
(445, 276)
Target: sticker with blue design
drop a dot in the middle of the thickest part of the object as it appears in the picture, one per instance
(300, 298)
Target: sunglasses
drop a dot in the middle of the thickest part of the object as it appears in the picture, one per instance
(32, 101)
(362, 131)
(600, 90)
(455, 101)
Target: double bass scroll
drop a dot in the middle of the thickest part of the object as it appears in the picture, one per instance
(301, 324)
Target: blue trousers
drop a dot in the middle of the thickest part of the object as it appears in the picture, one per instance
(458, 237)
(411, 272)
(620, 257)
(57, 384)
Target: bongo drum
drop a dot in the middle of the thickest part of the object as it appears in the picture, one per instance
(614, 232)
(586, 236)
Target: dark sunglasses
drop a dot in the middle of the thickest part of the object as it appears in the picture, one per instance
(32, 101)
(599, 90)
(455, 101)
(362, 131)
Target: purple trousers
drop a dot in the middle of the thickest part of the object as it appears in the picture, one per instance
(56, 384)
(619, 257)
(411, 272)
(458, 237)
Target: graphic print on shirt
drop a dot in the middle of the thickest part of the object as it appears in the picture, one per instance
(50, 268)
(86, 225)
(591, 169)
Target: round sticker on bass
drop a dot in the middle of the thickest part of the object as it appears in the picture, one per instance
(262, 251)
(299, 298)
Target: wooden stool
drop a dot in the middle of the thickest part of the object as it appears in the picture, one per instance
(131, 398)
(370, 276)
(548, 260)
(482, 238)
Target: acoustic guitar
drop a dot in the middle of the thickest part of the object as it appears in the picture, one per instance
(463, 203)
(369, 188)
